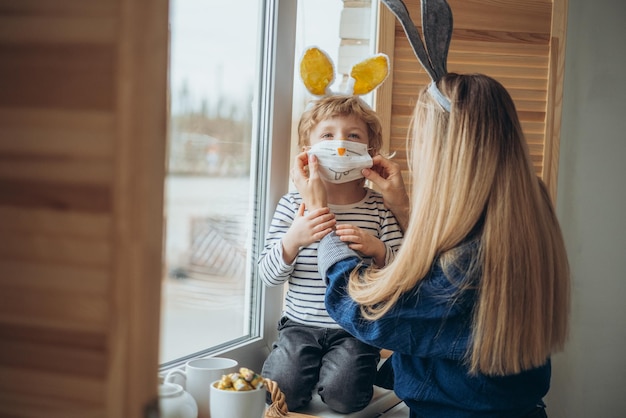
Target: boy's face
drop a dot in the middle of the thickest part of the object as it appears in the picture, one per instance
(347, 128)
(341, 162)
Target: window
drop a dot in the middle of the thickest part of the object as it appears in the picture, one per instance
(222, 59)
(232, 79)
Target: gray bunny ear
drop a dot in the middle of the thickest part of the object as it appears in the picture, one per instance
(437, 24)
(437, 28)
(398, 8)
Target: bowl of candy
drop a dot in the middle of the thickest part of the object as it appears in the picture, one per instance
(238, 395)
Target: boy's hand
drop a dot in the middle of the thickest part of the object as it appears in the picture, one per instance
(305, 230)
(361, 241)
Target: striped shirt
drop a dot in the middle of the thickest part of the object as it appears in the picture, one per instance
(304, 301)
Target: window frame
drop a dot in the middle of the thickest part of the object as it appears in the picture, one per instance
(269, 175)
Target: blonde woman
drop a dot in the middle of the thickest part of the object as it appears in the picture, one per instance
(477, 298)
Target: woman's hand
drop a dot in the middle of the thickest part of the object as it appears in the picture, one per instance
(308, 182)
(386, 175)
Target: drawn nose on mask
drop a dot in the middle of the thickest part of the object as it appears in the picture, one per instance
(341, 161)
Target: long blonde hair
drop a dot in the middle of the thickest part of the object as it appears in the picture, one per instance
(472, 175)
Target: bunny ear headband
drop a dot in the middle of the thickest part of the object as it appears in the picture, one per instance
(318, 73)
(437, 29)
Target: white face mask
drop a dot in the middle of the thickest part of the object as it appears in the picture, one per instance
(341, 161)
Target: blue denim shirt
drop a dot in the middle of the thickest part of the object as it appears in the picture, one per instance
(429, 331)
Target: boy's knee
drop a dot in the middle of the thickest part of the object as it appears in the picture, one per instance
(345, 400)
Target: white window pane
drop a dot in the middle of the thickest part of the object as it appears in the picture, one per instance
(207, 289)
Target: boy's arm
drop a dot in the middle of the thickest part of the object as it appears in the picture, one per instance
(289, 231)
(272, 268)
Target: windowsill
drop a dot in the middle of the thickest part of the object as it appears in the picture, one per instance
(384, 400)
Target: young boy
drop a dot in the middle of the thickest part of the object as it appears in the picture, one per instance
(312, 351)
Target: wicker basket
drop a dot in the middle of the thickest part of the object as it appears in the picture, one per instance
(278, 407)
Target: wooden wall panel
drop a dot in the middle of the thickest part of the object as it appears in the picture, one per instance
(513, 41)
(82, 145)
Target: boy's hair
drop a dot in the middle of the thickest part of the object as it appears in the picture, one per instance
(341, 105)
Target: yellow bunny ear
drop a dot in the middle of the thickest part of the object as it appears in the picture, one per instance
(317, 71)
(370, 73)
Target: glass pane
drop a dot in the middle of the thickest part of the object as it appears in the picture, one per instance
(213, 71)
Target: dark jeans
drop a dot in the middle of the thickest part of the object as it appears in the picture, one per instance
(341, 367)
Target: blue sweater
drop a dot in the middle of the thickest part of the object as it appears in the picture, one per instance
(429, 331)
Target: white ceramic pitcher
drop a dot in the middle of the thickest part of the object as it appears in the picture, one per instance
(174, 402)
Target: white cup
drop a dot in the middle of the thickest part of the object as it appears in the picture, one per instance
(198, 376)
(237, 404)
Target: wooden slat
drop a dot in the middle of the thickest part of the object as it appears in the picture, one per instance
(525, 94)
(68, 390)
(54, 358)
(56, 170)
(80, 134)
(501, 48)
(533, 127)
(21, 404)
(59, 310)
(51, 30)
(60, 8)
(481, 41)
(82, 120)
(58, 196)
(84, 340)
(528, 16)
(535, 138)
(52, 249)
(524, 42)
(54, 222)
(500, 71)
(42, 277)
(58, 76)
(487, 58)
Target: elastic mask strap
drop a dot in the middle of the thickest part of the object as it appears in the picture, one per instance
(437, 95)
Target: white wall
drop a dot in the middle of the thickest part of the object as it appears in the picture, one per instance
(589, 377)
